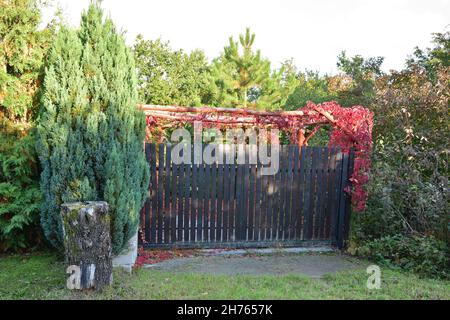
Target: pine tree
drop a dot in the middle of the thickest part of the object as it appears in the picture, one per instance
(90, 133)
(241, 77)
(236, 72)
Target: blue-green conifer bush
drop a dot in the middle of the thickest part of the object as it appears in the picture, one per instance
(90, 133)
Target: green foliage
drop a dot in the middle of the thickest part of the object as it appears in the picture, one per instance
(312, 87)
(19, 193)
(240, 77)
(169, 77)
(22, 53)
(90, 132)
(434, 58)
(315, 88)
(363, 73)
(406, 220)
(276, 90)
(402, 199)
(424, 255)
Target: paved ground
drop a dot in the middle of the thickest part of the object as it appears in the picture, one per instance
(310, 264)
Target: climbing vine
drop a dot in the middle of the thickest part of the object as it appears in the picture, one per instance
(351, 128)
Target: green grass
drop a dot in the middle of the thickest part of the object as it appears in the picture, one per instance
(41, 276)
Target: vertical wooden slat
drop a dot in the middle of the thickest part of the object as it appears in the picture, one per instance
(257, 200)
(160, 183)
(240, 214)
(276, 199)
(233, 202)
(282, 192)
(180, 194)
(329, 205)
(276, 196)
(174, 202)
(295, 191)
(264, 209)
(226, 198)
(271, 202)
(146, 223)
(323, 193)
(167, 182)
(186, 206)
(313, 192)
(245, 195)
(213, 200)
(288, 193)
(154, 195)
(317, 153)
(252, 194)
(317, 194)
(220, 185)
(239, 201)
(337, 174)
(300, 168)
(307, 186)
(206, 206)
(194, 198)
(201, 201)
(267, 204)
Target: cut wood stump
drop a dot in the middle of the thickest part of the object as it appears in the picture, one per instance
(87, 242)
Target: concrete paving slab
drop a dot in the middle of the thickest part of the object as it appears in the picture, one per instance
(312, 265)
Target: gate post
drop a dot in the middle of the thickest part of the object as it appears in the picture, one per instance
(344, 212)
(348, 196)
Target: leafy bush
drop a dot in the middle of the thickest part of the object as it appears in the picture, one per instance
(402, 199)
(424, 255)
(169, 77)
(406, 221)
(312, 87)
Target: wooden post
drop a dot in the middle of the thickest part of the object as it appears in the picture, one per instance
(348, 197)
(301, 137)
(345, 201)
(87, 242)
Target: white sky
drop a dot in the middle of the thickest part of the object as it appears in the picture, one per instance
(312, 32)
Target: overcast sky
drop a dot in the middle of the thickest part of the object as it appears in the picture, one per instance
(312, 32)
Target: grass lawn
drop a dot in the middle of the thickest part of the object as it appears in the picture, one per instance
(41, 276)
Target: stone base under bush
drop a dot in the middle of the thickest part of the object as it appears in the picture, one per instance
(127, 259)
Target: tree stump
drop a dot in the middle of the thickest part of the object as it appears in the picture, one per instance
(87, 243)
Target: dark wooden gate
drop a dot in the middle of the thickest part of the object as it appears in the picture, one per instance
(234, 205)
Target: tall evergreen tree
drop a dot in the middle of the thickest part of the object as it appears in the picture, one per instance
(90, 134)
(241, 77)
(236, 72)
